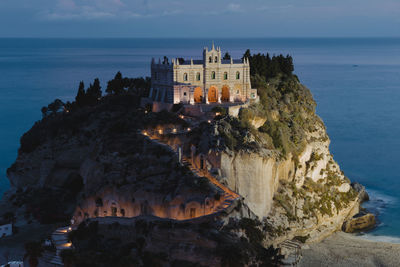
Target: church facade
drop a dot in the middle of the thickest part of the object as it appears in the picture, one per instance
(209, 80)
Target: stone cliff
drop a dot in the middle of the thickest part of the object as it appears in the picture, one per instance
(99, 161)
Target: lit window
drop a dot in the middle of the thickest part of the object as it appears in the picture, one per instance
(213, 75)
(216, 59)
(198, 76)
(237, 75)
(225, 76)
(185, 77)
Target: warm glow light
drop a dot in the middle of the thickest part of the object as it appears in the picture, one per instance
(160, 131)
(174, 130)
(217, 113)
(67, 245)
(188, 129)
(69, 228)
(209, 121)
(145, 133)
(181, 116)
(145, 111)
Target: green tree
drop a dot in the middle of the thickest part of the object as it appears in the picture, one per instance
(80, 98)
(226, 56)
(247, 54)
(116, 85)
(93, 93)
(56, 106)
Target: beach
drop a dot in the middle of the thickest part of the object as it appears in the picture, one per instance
(343, 249)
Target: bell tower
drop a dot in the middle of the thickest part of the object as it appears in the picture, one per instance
(211, 67)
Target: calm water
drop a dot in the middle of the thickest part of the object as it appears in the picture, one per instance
(356, 83)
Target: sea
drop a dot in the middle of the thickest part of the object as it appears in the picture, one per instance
(355, 82)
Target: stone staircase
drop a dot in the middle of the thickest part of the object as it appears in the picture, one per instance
(60, 240)
(229, 196)
(291, 251)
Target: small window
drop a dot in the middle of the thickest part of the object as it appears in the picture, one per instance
(185, 77)
(237, 75)
(198, 76)
(213, 75)
(210, 59)
(237, 92)
(184, 93)
(155, 75)
(123, 212)
(225, 76)
(216, 59)
(253, 95)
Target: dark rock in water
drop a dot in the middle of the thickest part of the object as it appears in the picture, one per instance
(361, 190)
(360, 221)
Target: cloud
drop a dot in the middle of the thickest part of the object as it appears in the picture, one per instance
(231, 8)
(234, 7)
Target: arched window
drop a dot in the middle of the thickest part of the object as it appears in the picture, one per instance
(198, 76)
(225, 76)
(237, 75)
(213, 75)
(216, 59)
(210, 59)
(185, 77)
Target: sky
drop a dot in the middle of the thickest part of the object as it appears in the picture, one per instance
(201, 18)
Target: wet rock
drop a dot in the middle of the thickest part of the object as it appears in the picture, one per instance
(360, 221)
(361, 190)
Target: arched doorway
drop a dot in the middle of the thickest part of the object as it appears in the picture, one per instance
(198, 95)
(225, 94)
(213, 94)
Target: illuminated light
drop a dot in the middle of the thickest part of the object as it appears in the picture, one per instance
(67, 245)
(69, 228)
(160, 131)
(181, 116)
(145, 133)
(67, 111)
(174, 130)
(209, 121)
(145, 111)
(188, 129)
(217, 113)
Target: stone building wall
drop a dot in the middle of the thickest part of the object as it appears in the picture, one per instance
(211, 79)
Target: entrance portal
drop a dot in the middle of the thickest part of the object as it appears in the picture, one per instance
(213, 94)
(225, 94)
(198, 95)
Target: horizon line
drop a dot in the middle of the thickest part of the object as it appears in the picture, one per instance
(204, 37)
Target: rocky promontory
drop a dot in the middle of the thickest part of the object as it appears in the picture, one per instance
(214, 184)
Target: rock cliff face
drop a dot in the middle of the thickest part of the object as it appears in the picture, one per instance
(275, 156)
(297, 195)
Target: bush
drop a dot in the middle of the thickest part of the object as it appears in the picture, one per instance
(220, 110)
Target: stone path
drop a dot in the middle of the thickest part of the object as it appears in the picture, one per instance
(229, 196)
(291, 251)
(60, 240)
